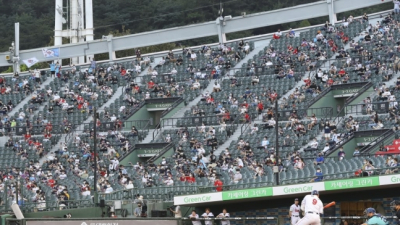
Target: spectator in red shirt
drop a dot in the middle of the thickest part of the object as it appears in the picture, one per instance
(273, 96)
(307, 81)
(210, 100)
(123, 71)
(226, 116)
(191, 179)
(150, 84)
(260, 107)
(218, 184)
(49, 127)
(247, 117)
(27, 136)
(50, 181)
(341, 72)
(345, 39)
(330, 81)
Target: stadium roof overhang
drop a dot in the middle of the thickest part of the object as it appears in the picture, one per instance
(212, 28)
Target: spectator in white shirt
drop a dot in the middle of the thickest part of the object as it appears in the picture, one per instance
(326, 148)
(138, 69)
(109, 189)
(239, 162)
(169, 182)
(254, 129)
(129, 185)
(237, 177)
(247, 48)
(217, 87)
(63, 176)
(193, 56)
(174, 71)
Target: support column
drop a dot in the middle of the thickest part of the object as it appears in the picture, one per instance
(111, 52)
(331, 10)
(81, 27)
(89, 23)
(220, 26)
(74, 26)
(58, 23)
(16, 49)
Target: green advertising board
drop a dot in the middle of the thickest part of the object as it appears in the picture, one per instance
(247, 193)
(351, 183)
(331, 185)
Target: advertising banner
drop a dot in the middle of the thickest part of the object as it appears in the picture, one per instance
(247, 193)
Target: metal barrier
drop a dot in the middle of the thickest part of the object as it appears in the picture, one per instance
(176, 103)
(339, 116)
(379, 141)
(361, 109)
(236, 220)
(323, 113)
(143, 221)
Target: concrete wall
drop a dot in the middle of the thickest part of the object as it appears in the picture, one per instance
(132, 157)
(76, 213)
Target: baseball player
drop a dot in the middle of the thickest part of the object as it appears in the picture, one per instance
(224, 214)
(294, 212)
(395, 206)
(312, 208)
(374, 218)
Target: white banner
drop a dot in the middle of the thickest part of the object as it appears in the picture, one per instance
(298, 188)
(390, 179)
(200, 198)
(30, 62)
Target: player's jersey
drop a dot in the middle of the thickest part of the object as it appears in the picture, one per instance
(311, 203)
(295, 210)
(377, 219)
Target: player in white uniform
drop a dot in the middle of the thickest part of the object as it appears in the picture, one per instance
(312, 208)
(294, 212)
(208, 215)
(224, 214)
(194, 218)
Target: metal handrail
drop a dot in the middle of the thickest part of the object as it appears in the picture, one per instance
(164, 150)
(176, 103)
(351, 98)
(351, 106)
(379, 140)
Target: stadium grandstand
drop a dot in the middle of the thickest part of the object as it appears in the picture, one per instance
(254, 122)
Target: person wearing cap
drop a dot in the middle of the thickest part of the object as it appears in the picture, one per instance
(374, 218)
(312, 208)
(395, 206)
(294, 212)
(138, 210)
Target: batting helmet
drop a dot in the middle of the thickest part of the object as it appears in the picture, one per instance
(314, 192)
